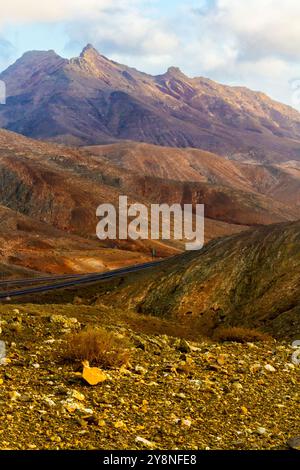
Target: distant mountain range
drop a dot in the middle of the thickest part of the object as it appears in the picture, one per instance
(92, 100)
(49, 194)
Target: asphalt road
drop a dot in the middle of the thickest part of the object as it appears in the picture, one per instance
(63, 282)
(38, 280)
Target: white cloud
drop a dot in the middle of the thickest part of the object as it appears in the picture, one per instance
(54, 10)
(260, 27)
(255, 43)
(126, 32)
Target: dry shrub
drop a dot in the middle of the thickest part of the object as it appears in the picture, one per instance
(98, 346)
(240, 335)
(175, 327)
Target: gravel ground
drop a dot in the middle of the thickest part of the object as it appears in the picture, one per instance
(172, 395)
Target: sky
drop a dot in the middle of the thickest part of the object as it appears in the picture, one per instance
(238, 42)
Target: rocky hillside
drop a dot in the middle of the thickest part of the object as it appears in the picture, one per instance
(280, 182)
(170, 394)
(49, 194)
(93, 100)
(249, 280)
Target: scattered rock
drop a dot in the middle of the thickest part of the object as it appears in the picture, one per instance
(261, 431)
(145, 442)
(49, 402)
(14, 395)
(270, 368)
(65, 322)
(93, 375)
(140, 370)
(77, 395)
(186, 423)
(237, 386)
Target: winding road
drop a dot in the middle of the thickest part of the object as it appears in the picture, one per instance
(62, 282)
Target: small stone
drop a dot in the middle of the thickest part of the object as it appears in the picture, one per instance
(48, 401)
(36, 366)
(120, 425)
(270, 368)
(261, 431)
(186, 423)
(77, 395)
(66, 322)
(140, 370)
(14, 395)
(221, 360)
(145, 442)
(93, 375)
(237, 386)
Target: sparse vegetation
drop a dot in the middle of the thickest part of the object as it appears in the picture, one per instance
(241, 335)
(151, 325)
(98, 346)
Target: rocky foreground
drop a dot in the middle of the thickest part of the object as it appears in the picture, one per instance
(172, 394)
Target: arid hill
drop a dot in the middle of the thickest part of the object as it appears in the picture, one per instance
(93, 100)
(251, 279)
(281, 182)
(49, 195)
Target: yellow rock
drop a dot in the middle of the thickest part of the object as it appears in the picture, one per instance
(93, 375)
(221, 360)
(71, 408)
(120, 425)
(77, 395)
(144, 407)
(244, 410)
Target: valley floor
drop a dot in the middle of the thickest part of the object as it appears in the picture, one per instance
(172, 395)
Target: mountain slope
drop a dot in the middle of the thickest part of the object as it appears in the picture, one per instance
(278, 181)
(48, 200)
(92, 100)
(49, 195)
(251, 279)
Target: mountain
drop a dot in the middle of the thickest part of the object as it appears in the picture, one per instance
(49, 194)
(93, 100)
(251, 279)
(48, 199)
(281, 182)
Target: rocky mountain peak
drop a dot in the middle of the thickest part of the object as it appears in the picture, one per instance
(175, 72)
(89, 50)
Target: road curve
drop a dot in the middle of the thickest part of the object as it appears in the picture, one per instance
(38, 280)
(79, 280)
